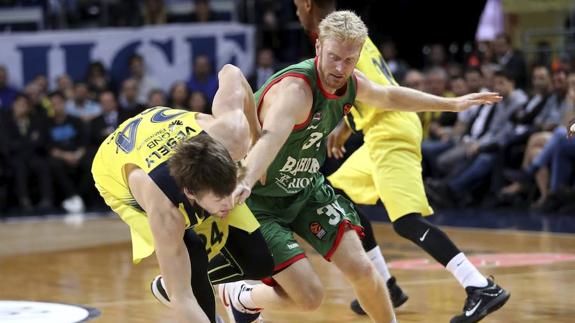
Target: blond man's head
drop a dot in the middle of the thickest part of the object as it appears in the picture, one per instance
(343, 25)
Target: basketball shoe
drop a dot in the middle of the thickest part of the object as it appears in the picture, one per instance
(229, 294)
(481, 301)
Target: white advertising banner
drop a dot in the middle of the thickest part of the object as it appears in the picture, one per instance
(168, 51)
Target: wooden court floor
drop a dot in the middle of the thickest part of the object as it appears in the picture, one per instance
(89, 263)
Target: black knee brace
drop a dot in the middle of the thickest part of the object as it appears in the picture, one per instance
(427, 236)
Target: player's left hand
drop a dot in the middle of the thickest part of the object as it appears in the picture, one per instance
(336, 141)
(464, 102)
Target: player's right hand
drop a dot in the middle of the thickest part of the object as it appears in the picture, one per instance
(336, 141)
(571, 129)
(464, 102)
(241, 193)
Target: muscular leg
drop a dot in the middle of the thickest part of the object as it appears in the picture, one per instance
(299, 289)
(368, 285)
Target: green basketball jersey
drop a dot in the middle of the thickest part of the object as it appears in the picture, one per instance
(297, 165)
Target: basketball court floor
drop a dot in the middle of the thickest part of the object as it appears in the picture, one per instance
(88, 263)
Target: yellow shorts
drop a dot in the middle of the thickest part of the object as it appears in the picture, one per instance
(112, 187)
(387, 167)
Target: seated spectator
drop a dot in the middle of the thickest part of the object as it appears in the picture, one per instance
(154, 12)
(472, 161)
(431, 148)
(541, 144)
(24, 135)
(414, 79)
(107, 122)
(99, 129)
(67, 151)
(179, 95)
(203, 78)
(129, 101)
(144, 82)
(40, 104)
(265, 68)
(437, 124)
(510, 59)
(203, 12)
(157, 98)
(199, 103)
(97, 79)
(7, 92)
(81, 106)
(65, 85)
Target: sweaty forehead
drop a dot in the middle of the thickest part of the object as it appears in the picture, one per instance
(343, 49)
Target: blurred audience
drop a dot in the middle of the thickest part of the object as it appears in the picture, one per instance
(7, 92)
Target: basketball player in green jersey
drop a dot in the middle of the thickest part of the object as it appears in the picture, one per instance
(298, 107)
(388, 167)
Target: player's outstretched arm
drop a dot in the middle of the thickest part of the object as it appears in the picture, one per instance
(398, 98)
(168, 225)
(289, 101)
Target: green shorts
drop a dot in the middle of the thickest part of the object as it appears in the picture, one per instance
(319, 216)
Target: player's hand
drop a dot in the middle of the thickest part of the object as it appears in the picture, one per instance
(571, 129)
(336, 141)
(464, 102)
(241, 193)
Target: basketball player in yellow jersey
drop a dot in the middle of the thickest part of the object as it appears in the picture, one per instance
(388, 167)
(165, 171)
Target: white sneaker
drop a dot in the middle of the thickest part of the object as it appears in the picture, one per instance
(73, 204)
(229, 295)
(158, 288)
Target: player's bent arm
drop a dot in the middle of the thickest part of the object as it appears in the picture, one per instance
(235, 94)
(288, 104)
(234, 111)
(398, 98)
(168, 225)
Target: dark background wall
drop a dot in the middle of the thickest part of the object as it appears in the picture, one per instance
(414, 23)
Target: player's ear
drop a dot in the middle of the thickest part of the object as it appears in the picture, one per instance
(307, 6)
(189, 194)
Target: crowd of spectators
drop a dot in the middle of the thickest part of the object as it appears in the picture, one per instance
(514, 153)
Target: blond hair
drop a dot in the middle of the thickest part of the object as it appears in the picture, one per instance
(343, 25)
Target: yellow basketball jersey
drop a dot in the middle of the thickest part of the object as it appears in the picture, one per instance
(372, 64)
(147, 140)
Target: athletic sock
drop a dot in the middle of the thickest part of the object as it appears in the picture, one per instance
(377, 259)
(246, 300)
(465, 272)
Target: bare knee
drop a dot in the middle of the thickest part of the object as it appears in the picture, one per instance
(310, 296)
(359, 270)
